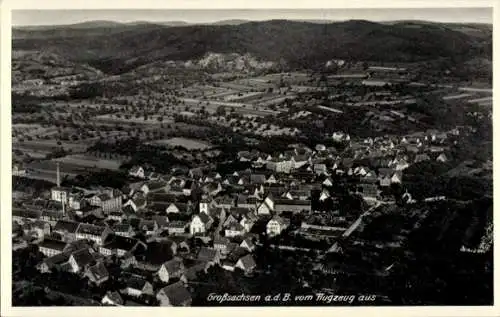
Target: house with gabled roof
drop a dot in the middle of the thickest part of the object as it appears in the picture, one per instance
(177, 227)
(149, 227)
(212, 188)
(291, 205)
(161, 198)
(30, 230)
(243, 180)
(177, 208)
(299, 160)
(81, 260)
(442, 158)
(397, 177)
(192, 269)
(245, 201)
(385, 180)
(196, 173)
(157, 252)
(320, 169)
(153, 176)
(131, 188)
(271, 179)
(128, 212)
(324, 195)
(247, 244)
(67, 229)
(123, 229)
(112, 298)
(369, 192)
(21, 215)
(229, 263)
(182, 243)
(97, 273)
(177, 182)
(173, 268)
(174, 295)
(267, 206)
(257, 179)
(137, 171)
(161, 221)
(54, 261)
(200, 223)
(248, 220)
(234, 230)
(91, 232)
(153, 186)
(120, 246)
(188, 187)
(214, 175)
(246, 263)
(264, 209)
(399, 164)
(422, 158)
(221, 244)
(115, 216)
(276, 225)
(229, 220)
(224, 202)
(136, 203)
(209, 255)
(258, 191)
(328, 182)
(137, 286)
(51, 247)
(260, 161)
(106, 201)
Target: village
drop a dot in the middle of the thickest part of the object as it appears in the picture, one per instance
(163, 230)
(180, 181)
(161, 160)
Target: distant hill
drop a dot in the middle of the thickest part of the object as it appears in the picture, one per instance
(82, 25)
(228, 22)
(120, 48)
(173, 23)
(480, 30)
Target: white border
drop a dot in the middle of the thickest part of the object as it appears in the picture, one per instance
(241, 4)
(5, 128)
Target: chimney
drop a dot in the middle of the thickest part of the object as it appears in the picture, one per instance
(58, 176)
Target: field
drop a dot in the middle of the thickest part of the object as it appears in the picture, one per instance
(189, 144)
(32, 130)
(150, 120)
(212, 105)
(242, 97)
(47, 146)
(90, 161)
(49, 167)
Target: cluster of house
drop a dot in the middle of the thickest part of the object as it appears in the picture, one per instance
(86, 250)
(176, 226)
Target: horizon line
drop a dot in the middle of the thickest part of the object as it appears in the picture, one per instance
(312, 20)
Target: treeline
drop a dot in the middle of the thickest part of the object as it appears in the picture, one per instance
(428, 179)
(25, 103)
(141, 154)
(114, 179)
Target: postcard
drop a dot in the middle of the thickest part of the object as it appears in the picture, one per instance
(237, 158)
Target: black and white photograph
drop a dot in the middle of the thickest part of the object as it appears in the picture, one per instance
(251, 157)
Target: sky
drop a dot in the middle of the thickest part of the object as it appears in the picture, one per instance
(58, 17)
